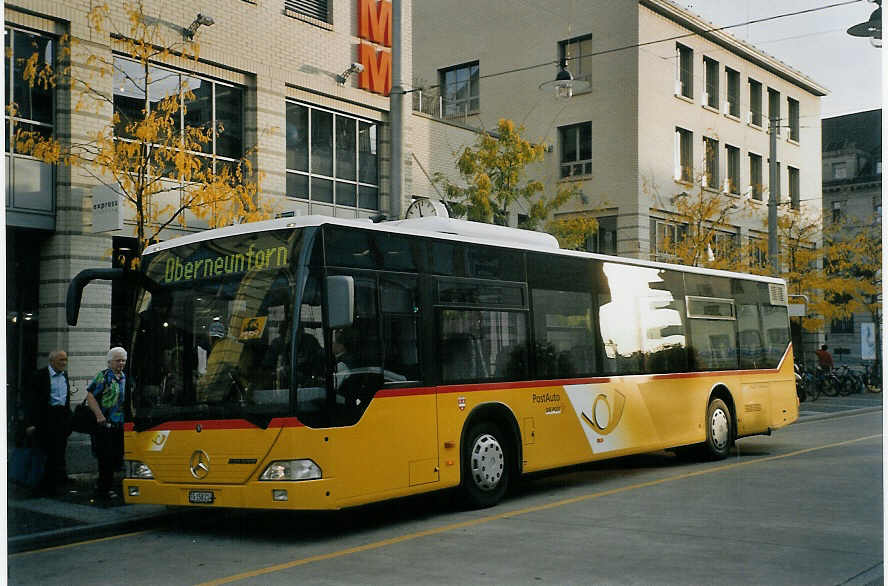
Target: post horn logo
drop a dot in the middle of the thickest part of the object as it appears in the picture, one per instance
(199, 464)
(606, 416)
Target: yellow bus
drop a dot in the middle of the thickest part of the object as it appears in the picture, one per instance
(321, 363)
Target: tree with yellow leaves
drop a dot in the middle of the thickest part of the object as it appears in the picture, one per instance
(494, 170)
(149, 154)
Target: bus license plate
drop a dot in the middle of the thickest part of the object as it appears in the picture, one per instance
(203, 497)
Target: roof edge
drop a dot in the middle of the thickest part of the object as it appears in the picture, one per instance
(741, 48)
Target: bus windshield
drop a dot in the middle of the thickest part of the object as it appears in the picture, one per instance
(213, 337)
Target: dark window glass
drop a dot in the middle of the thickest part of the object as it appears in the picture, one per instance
(346, 194)
(794, 188)
(565, 339)
(397, 253)
(712, 90)
(199, 110)
(448, 258)
(749, 336)
(578, 53)
(322, 144)
(230, 117)
(368, 197)
(604, 241)
(369, 249)
(297, 185)
(755, 176)
(755, 102)
(733, 168)
(685, 171)
(321, 190)
(775, 325)
(480, 293)
(346, 165)
(129, 94)
(774, 108)
(367, 156)
(460, 89)
(712, 165)
(33, 101)
(793, 119)
(400, 328)
(686, 70)
(733, 91)
(297, 137)
(474, 341)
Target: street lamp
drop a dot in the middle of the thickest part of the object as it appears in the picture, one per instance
(564, 84)
(872, 28)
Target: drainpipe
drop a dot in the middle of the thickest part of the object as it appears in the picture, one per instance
(398, 118)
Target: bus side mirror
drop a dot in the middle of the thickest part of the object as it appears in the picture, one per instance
(340, 301)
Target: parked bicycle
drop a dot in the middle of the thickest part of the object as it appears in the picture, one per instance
(806, 384)
(849, 381)
(872, 378)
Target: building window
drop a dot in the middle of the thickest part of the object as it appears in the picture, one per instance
(733, 101)
(755, 103)
(460, 89)
(710, 174)
(578, 53)
(836, 212)
(839, 171)
(793, 108)
(732, 180)
(664, 236)
(843, 325)
(758, 252)
(755, 176)
(576, 149)
(774, 109)
(684, 155)
(794, 188)
(28, 108)
(723, 244)
(710, 70)
(311, 8)
(214, 105)
(685, 71)
(332, 159)
(604, 241)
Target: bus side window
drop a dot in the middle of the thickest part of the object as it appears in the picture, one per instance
(400, 322)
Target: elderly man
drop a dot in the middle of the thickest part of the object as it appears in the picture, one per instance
(48, 417)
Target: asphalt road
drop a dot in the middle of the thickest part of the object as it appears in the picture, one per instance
(803, 506)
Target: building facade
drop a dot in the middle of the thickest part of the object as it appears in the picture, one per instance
(667, 104)
(278, 76)
(852, 193)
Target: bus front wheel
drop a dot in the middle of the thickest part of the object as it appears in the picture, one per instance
(486, 466)
(719, 430)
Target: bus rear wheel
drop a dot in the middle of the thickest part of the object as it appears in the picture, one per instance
(486, 469)
(719, 430)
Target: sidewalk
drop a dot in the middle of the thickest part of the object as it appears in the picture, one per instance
(34, 523)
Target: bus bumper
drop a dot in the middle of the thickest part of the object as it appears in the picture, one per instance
(302, 495)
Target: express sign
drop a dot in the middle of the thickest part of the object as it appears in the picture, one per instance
(375, 25)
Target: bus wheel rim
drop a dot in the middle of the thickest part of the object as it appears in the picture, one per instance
(487, 462)
(719, 427)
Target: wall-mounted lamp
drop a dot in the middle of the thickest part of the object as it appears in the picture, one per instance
(872, 28)
(353, 68)
(564, 84)
(202, 19)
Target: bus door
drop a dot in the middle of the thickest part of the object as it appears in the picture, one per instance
(387, 438)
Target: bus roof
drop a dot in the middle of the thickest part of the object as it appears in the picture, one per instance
(444, 229)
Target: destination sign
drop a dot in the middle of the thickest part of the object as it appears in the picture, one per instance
(251, 259)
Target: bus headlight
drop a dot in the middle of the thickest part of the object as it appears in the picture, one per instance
(291, 470)
(137, 469)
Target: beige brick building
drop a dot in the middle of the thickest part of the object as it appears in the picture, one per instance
(667, 101)
(269, 71)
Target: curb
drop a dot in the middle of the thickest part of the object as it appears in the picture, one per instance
(847, 413)
(68, 535)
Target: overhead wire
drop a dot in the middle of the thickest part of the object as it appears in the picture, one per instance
(663, 40)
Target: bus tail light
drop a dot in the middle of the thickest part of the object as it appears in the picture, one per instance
(291, 470)
(137, 469)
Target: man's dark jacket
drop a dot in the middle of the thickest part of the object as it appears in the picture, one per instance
(37, 398)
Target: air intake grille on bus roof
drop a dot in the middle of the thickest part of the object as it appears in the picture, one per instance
(777, 293)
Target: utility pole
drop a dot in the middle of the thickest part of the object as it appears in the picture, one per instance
(773, 194)
(396, 104)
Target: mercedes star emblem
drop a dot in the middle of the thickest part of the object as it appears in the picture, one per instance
(200, 464)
